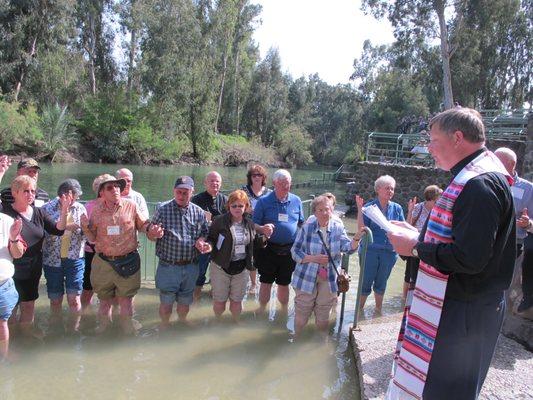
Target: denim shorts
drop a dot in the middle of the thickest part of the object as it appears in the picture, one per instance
(8, 299)
(176, 282)
(66, 277)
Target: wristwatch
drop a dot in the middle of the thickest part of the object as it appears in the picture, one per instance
(414, 251)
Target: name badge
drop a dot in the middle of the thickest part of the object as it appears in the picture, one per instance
(38, 203)
(220, 240)
(113, 230)
(240, 249)
(283, 217)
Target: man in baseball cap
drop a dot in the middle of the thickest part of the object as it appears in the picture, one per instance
(185, 230)
(30, 167)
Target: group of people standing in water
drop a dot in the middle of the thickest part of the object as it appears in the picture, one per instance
(92, 248)
(459, 265)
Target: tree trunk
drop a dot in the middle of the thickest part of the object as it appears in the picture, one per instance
(23, 68)
(445, 54)
(237, 96)
(92, 54)
(222, 83)
(131, 66)
(133, 51)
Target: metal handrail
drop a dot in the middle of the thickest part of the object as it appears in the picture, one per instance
(367, 240)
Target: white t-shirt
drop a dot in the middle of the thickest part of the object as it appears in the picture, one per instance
(138, 199)
(6, 261)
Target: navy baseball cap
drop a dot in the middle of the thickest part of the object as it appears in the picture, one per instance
(184, 182)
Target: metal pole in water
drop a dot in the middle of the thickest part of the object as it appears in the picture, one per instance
(367, 239)
(344, 265)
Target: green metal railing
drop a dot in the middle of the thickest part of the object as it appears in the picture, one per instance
(396, 148)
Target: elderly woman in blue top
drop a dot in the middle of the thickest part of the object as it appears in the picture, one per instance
(63, 256)
(380, 257)
(314, 280)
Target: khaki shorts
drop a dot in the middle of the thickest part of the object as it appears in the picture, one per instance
(228, 286)
(108, 284)
(321, 301)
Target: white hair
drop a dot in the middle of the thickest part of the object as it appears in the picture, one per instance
(383, 180)
(123, 172)
(507, 153)
(281, 174)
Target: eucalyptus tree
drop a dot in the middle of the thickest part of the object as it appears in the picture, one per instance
(96, 39)
(233, 23)
(266, 108)
(178, 70)
(492, 66)
(27, 30)
(414, 21)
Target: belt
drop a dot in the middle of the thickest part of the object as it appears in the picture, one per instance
(113, 258)
(178, 262)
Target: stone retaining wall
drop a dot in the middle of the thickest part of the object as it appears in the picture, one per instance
(410, 181)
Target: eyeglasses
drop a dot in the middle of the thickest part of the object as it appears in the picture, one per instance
(112, 187)
(257, 175)
(29, 191)
(237, 206)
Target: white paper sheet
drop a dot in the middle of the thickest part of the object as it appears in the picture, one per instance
(374, 213)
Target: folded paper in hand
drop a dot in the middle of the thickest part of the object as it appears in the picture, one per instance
(374, 213)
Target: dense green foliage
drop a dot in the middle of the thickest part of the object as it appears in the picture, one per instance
(189, 80)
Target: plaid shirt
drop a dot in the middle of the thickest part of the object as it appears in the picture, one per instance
(308, 243)
(183, 226)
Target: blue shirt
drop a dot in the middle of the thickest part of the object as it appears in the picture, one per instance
(183, 226)
(286, 215)
(309, 243)
(522, 191)
(394, 212)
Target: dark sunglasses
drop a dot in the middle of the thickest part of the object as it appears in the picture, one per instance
(112, 187)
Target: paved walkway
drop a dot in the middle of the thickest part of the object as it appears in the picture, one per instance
(510, 375)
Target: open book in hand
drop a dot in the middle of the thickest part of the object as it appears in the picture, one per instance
(374, 213)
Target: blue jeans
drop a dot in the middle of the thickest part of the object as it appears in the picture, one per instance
(176, 282)
(8, 299)
(203, 263)
(378, 266)
(66, 277)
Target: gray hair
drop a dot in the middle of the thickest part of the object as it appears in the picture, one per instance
(466, 120)
(507, 153)
(383, 180)
(123, 172)
(322, 199)
(69, 185)
(281, 174)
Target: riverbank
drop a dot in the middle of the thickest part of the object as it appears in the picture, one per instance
(510, 375)
(229, 151)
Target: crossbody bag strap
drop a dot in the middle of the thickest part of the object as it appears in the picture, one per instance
(327, 251)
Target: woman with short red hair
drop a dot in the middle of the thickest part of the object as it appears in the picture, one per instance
(231, 235)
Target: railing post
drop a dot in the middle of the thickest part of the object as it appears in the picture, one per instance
(367, 239)
(344, 265)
